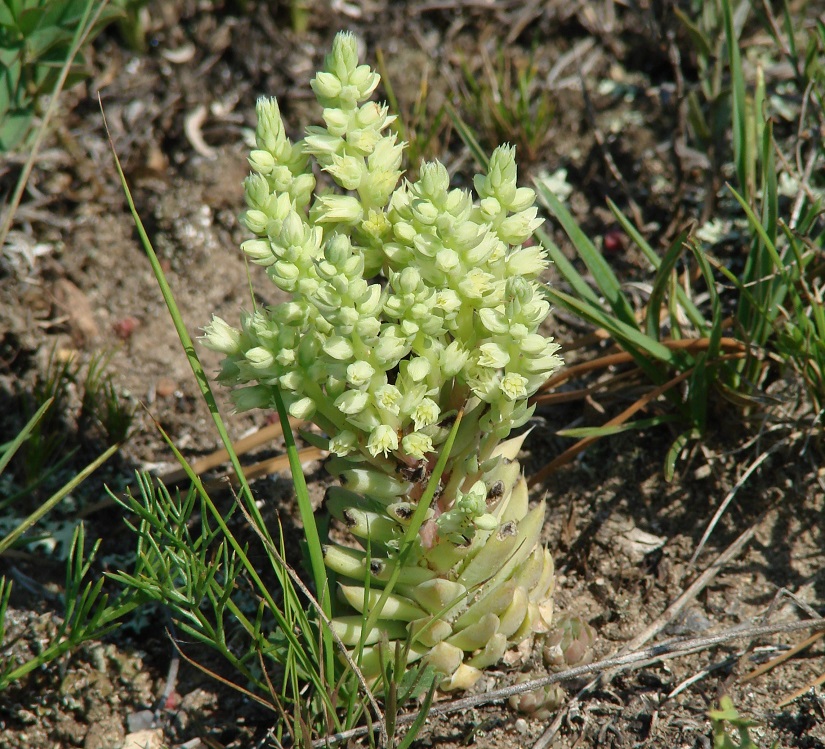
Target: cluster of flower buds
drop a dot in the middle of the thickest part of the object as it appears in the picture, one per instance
(407, 303)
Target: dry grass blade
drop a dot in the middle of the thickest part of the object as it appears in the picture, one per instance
(736, 348)
(799, 692)
(729, 498)
(571, 452)
(780, 659)
(690, 345)
(673, 648)
(658, 624)
(214, 675)
(266, 467)
(241, 447)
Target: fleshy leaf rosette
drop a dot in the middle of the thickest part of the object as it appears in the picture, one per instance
(407, 302)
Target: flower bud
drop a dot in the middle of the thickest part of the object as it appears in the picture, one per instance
(453, 359)
(352, 402)
(388, 398)
(514, 386)
(493, 355)
(417, 369)
(269, 134)
(326, 86)
(260, 358)
(336, 120)
(338, 348)
(359, 373)
(303, 408)
(433, 179)
(519, 227)
(347, 171)
(343, 443)
(245, 399)
(221, 337)
(343, 209)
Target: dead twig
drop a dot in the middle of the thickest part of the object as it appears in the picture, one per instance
(729, 498)
(241, 447)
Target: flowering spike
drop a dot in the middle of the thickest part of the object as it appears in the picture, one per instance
(407, 302)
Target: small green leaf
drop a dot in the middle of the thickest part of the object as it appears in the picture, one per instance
(697, 36)
(14, 128)
(603, 275)
(675, 449)
(608, 431)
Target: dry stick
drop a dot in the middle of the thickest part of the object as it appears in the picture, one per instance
(573, 451)
(658, 624)
(691, 345)
(242, 446)
(799, 692)
(584, 443)
(266, 467)
(263, 468)
(729, 498)
(673, 648)
(780, 659)
(706, 671)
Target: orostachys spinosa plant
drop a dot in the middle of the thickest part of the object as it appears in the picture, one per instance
(410, 303)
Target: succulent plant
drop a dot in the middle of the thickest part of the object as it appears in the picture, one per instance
(569, 643)
(539, 703)
(410, 304)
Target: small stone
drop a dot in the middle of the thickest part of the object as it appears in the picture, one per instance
(522, 726)
(165, 387)
(105, 734)
(140, 721)
(147, 739)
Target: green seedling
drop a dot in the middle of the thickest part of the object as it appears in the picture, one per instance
(727, 713)
(425, 132)
(37, 39)
(507, 103)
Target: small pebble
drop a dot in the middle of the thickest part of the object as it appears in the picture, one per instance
(141, 720)
(165, 387)
(150, 739)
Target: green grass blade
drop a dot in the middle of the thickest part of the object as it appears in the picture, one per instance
(738, 103)
(467, 136)
(84, 28)
(603, 275)
(690, 309)
(184, 337)
(645, 350)
(411, 534)
(10, 448)
(660, 285)
(316, 555)
(568, 270)
(676, 448)
(208, 396)
(611, 429)
(56, 498)
(420, 718)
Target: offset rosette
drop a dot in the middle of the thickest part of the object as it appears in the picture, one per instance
(478, 581)
(407, 304)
